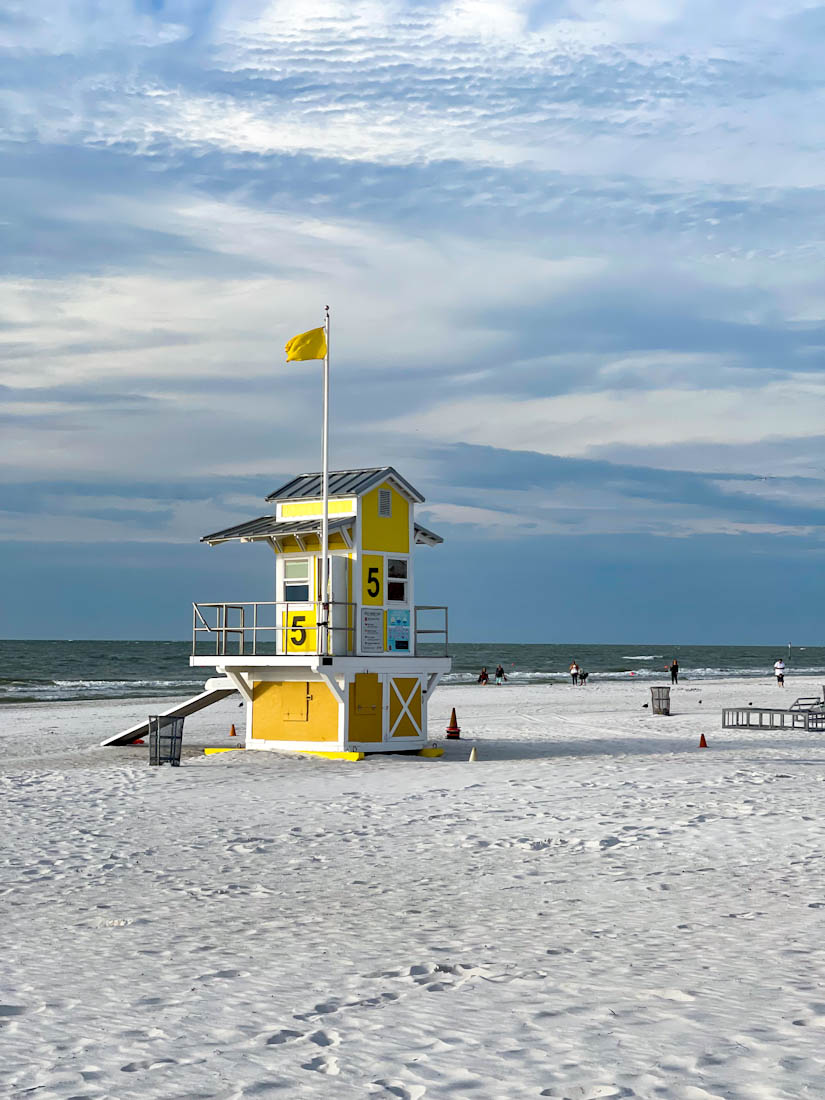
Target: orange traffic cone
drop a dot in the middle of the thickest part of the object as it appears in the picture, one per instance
(232, 732)
(702, 742)
(453, 730)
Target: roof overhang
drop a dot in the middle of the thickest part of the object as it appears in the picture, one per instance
(266, 528)
(272, 530)
(425, 537)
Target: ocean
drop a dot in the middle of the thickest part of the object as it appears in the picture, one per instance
(44, 671)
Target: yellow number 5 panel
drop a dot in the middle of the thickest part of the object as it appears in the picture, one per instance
(372, 580)
(299, 633)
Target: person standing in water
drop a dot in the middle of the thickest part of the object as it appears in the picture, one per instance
(500, 677)
(574, 672)
(484, 676)
(674, 671)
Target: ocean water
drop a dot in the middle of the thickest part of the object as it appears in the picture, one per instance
(42, 671)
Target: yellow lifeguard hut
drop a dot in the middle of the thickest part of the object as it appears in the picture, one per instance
(346, 673)
(338, 662)
(352, 673)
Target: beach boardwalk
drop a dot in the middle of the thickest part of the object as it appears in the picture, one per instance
(349, 673)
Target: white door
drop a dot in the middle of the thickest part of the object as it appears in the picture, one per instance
(340, 613)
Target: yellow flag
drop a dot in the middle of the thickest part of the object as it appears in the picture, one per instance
(307, 345)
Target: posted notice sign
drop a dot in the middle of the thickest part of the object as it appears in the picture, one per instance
(398, 631)
(372, 630)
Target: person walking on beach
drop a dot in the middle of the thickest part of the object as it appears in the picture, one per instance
(484, 676)
(574, 672)
(779, 672)
(500, 677)
(674, 671)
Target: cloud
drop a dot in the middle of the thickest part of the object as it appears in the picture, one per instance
(498, 494)
(571, 424)
(517, 494)
(565, 242)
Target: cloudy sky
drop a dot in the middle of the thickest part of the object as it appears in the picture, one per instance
(574, 254)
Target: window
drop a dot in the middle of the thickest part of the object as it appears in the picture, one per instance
(397, 580)
(296, 581)
(384, 503)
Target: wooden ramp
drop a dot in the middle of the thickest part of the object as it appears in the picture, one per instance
(180, 710)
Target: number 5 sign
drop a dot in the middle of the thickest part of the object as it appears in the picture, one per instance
(372, 581)
(299, 633)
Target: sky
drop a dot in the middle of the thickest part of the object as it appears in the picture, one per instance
(573, 251)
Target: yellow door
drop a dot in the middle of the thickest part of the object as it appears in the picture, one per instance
(295, 701)
(366, 716)
(294, 711)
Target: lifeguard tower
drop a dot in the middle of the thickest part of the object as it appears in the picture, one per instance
(343, 674)
(352, 672)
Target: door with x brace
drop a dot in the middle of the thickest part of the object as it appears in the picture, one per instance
(405, 707)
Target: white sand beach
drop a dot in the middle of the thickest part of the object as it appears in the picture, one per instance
(596, 908)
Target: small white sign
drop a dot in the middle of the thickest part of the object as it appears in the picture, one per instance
(372, 630)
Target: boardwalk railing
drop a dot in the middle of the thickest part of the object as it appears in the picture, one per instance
(811, 719)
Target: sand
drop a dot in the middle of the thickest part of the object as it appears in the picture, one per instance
(596, 908)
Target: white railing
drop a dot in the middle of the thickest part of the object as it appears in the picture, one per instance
(287, 629)
(268, 628)
(430, 626)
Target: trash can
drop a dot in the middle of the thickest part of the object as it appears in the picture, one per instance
(660, 699)
(165, 740)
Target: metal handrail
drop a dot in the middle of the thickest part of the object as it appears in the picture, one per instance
(418, 631)
(285, 633)
(249, 637)
(772, 718)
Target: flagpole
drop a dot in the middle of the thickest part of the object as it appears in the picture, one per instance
(325, 499)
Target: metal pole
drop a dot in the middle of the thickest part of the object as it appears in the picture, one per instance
(325, 497)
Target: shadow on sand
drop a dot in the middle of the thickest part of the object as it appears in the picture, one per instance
(503, 750)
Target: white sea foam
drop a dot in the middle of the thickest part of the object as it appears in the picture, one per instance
(62, 690)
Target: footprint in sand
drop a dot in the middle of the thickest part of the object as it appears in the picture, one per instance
(285, 1036)
(322, 1064)
(591, 1092)
(222, 974)
(325, 1038)
(151, 1063)
(322, 1009)
(403, 1092)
